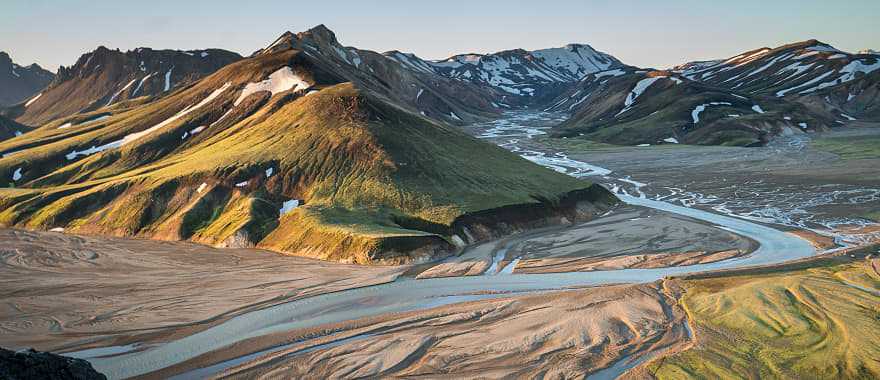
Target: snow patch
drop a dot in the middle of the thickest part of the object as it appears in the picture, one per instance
(168, 79)
(757, 108)
(695, 114)
(848, 117)
(17, 175)
(639, 88)
(134, 136)
(112, 98)
(201, 187)
(29, 102)
(288, 206)
(269, 172)
(671, 140)
(281, 80)
(612, 73)
(242, 184)
(141, 84)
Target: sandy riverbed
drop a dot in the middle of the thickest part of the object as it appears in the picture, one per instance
(59, 290)
(629, 237)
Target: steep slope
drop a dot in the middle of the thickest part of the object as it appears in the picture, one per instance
(18, 83)
(630, 106)
(857, 99)
(104, 77)
(527, 77)
(801, 71)
(289, 150)
(398, 77)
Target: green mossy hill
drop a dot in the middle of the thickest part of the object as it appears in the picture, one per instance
(820, 322)
(378, 184)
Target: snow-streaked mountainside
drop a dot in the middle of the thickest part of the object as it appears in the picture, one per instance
(798, 70)
(795, 69)
(306, 147)
(105, 77)
(526, 77)
(18, 83)
(631, 106)
(405, 79)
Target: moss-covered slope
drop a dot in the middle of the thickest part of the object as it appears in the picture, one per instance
(374, 181)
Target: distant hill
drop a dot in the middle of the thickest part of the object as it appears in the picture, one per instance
(19, 83)
(527, 78)
(810, 72)
(631, 106)
(104, 77)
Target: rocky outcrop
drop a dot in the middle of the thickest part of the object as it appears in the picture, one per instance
(576, 206)
(30, 364)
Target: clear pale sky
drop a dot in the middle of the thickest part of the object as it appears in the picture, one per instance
(642, 33)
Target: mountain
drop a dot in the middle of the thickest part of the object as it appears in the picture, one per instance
(527, 77)
(18, 83)
(306, 148)
(401, 78)
(104, 77)
(631, 106)
(800, 72)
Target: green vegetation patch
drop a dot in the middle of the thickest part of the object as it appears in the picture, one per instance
(816, 323)
(850, 148)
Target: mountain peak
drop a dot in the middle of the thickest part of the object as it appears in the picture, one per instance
(319, 34)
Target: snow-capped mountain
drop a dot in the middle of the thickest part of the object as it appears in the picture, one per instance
(810, 72)
(18, 83)
(527, 77)
(105, 77)
(631, 106)
(796, 69)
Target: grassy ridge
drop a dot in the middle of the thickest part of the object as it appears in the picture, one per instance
(816, 323)
(368, 171)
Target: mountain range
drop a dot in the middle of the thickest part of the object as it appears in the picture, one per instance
(306, 147)
(313, 148)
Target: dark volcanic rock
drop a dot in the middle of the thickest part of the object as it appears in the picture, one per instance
(30, 364)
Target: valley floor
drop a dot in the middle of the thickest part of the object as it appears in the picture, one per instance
(198, 312)
(59, 290)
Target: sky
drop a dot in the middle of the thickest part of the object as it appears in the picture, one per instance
(656, 34)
